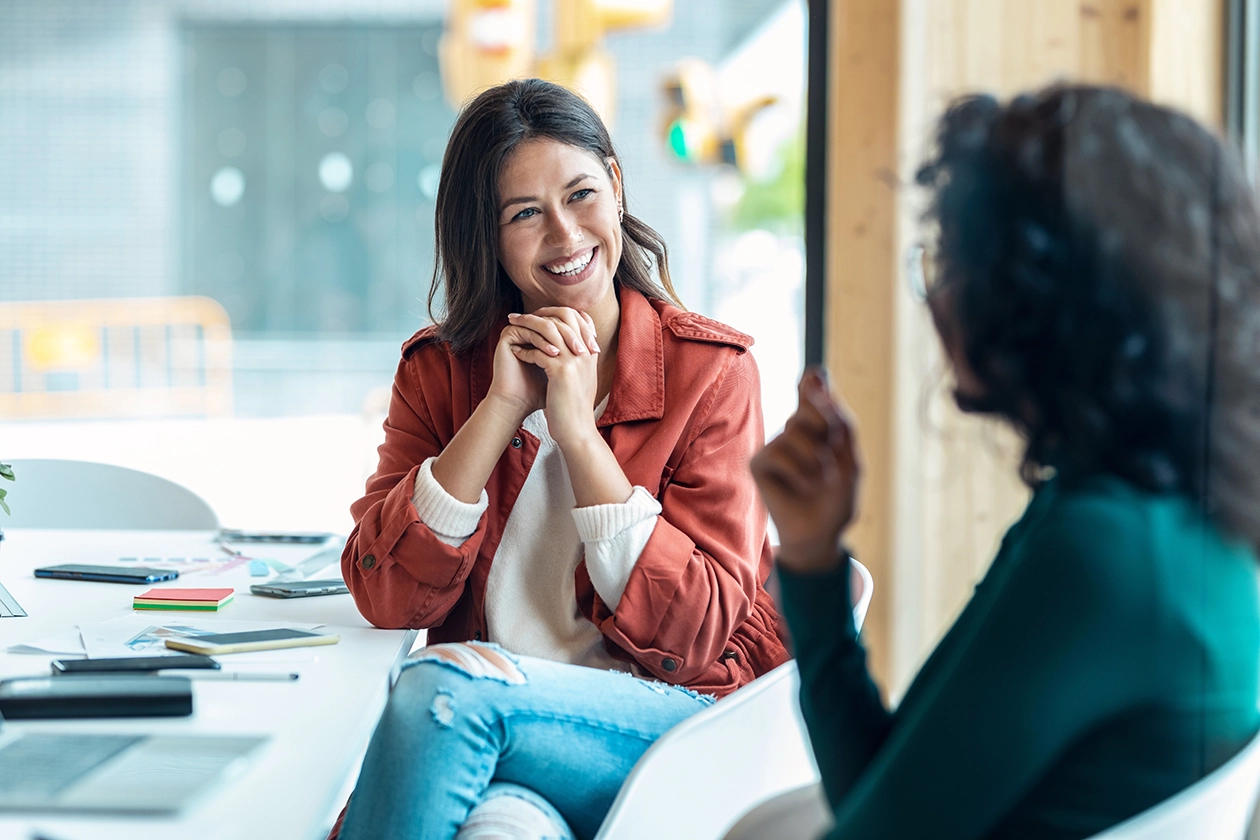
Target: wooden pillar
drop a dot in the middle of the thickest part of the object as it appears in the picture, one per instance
(939, 488)
(862, 262)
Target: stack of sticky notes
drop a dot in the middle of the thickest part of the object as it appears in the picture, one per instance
(207, 600)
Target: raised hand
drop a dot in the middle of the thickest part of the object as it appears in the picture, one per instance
(808, 478)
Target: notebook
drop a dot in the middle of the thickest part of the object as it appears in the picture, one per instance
(123, 773)
(182, 599)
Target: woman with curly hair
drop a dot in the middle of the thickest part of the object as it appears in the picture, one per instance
(1095, 281)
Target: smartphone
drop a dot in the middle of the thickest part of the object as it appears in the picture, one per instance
(303, 537)
(218, 643)
(109, 574)
(300, 588)
(131, 664)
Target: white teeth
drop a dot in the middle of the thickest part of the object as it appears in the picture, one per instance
(573, 266)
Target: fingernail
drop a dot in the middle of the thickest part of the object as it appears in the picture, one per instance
(579, 348)
(514, 314)
(554, 350)
(595, 344)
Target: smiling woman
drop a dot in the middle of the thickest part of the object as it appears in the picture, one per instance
(551, 234)
(564, 475)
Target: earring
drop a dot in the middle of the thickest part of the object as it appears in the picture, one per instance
(621, 213)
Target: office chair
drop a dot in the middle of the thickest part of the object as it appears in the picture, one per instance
(749, 747)
(52, 493)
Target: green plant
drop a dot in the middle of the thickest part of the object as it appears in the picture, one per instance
(5, 472)
(777, 204)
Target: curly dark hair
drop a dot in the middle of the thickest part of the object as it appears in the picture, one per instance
(1099, 257)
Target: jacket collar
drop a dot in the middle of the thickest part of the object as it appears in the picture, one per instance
(638, 387)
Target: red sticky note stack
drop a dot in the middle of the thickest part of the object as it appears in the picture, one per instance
(206, 600)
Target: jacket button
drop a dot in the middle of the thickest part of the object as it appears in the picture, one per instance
(477, 636)
(669, 665)
(516, 443)
(368, 561)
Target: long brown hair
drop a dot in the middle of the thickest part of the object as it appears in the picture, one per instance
(476, 289)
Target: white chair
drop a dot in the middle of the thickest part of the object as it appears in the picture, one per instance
(52, 493)
(1217, 807)
(1220, 806)
(746, 748)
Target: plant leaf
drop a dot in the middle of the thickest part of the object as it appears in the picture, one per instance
(6, 471)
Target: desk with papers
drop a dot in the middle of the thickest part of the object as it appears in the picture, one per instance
(317, 726)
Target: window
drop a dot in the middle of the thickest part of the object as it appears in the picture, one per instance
(280, 161)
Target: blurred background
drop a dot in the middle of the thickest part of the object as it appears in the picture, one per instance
(216, 223)
(216, 216)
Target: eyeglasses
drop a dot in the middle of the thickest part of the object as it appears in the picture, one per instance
(922, 270)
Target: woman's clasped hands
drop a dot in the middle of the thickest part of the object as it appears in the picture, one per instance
(549, 359)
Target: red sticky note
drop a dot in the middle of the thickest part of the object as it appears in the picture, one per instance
(211, 595)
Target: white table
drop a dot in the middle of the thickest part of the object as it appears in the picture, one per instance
(318, 726)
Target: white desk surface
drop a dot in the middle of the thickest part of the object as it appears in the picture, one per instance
(318, 726)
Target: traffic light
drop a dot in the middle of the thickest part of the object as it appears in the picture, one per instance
(693, 118)
(486, 43)
(579, 60)
(700, 127)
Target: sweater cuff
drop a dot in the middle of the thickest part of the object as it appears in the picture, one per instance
(817, 605)
(450, 520)
(613, 537)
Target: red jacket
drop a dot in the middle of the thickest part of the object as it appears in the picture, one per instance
(683, 419)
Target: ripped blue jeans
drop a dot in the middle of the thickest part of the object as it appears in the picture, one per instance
(462, 716)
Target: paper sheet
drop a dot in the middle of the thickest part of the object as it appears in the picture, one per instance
(66, 644)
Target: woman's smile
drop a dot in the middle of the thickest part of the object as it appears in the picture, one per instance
(573, 270)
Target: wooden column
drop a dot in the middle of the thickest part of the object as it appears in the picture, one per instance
(862, 262)
(939, 488)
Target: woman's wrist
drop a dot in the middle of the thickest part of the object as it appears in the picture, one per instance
(579, 442)
(510, 413)
(594, 472)
(816, 559)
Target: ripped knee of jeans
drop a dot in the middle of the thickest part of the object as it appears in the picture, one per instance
(443, 708)
(479, 661)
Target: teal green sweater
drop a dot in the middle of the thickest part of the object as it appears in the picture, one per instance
(1107, 660)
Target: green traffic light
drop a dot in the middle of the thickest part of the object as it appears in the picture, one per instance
(678, 140)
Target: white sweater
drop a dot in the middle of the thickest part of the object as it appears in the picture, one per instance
(531, 607)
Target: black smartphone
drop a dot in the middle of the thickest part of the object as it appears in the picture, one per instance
(131, 664)
(109, 574)
(300, 588)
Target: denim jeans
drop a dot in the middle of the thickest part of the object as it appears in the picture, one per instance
(455, 723)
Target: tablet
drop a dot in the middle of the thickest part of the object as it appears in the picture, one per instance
(219, 643)
(300, 537)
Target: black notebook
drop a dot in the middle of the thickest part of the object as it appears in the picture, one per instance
(122, 695)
